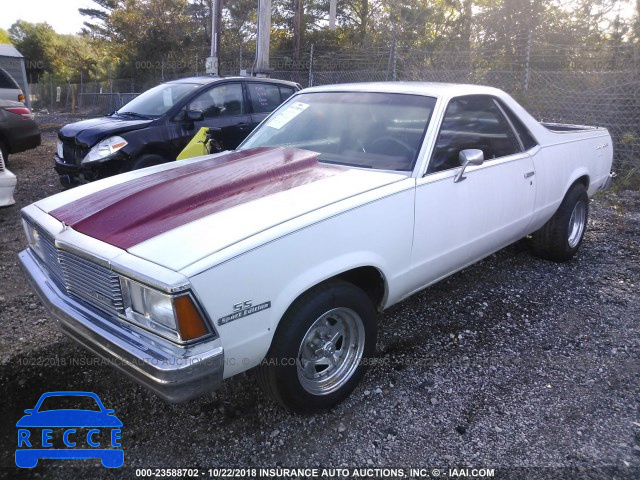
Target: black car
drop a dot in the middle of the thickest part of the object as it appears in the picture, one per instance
(18, 129)
(154, 127)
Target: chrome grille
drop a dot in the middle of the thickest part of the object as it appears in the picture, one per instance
(92, 283)
(82, 279)
(51, 258)
(1, 162)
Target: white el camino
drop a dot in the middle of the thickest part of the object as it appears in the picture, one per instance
(280, 255)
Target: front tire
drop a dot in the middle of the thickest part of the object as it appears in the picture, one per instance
(320, 349)
(559, 239)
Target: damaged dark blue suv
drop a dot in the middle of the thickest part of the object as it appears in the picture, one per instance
(154, 127)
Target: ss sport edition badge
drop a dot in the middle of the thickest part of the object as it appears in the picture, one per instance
(244, 309)
(69, 425)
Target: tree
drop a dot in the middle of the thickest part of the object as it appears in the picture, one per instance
(357, 15)
(67, 56)
(36, 42)
(4, 36)
(149, 35)
(95, 26)
(239, 19)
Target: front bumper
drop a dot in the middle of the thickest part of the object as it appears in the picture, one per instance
(72, 174)
(25, 135)
(173, 372)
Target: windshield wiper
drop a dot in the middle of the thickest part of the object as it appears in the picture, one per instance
(346, 164)
(134, 114)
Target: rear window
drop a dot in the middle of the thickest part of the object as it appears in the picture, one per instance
(264, 97)
(523, 132)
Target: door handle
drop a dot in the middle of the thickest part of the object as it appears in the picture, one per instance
(242, 126)
(529, 174)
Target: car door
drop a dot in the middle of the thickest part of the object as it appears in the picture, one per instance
(458, 223)
(223, 106)
(265, 98)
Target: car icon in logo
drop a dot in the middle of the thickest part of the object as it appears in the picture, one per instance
(69, 425)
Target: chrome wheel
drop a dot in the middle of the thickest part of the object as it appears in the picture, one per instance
(577, 224)
(331, 351)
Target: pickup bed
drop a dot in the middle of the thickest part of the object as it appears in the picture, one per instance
(280, 256)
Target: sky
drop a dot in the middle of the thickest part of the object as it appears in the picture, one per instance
(62, 15)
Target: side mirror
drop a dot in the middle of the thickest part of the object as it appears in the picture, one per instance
(195, 116)
(470, 156)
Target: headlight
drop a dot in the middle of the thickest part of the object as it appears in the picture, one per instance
(104, 149)
(60, 150)
(34, 238)
(172, 316)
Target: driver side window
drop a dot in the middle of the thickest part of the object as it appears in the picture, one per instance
(474, 121)
(221, 101)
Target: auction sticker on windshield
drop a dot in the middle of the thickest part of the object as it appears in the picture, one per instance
(289, 113)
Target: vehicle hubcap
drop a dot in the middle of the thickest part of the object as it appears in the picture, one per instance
(330, 351)
(577, 223)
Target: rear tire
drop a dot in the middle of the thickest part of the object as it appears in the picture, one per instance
(148, 160)
(320, 350)
(559, 239)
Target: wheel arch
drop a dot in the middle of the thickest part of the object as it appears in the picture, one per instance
(368, 278)
(581, 177)
(151, 149)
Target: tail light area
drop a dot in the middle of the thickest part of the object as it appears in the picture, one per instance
(24, 112)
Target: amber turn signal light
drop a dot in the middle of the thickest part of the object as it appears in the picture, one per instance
(191, 325)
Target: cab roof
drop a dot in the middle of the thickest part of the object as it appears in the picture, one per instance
(434, 89)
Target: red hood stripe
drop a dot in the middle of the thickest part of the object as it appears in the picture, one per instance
(132, 212)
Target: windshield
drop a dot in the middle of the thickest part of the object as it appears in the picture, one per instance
(362, 129)
(158, 100)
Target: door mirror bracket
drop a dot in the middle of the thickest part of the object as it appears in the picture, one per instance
(470, 156)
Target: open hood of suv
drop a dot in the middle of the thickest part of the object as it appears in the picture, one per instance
(89, 132)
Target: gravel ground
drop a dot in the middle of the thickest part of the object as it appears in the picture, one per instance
(518, 364)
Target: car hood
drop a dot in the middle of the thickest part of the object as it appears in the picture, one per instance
(89, 132)
(69, 418)
(175, 217)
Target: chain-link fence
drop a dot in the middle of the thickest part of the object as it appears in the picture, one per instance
(587, 85)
